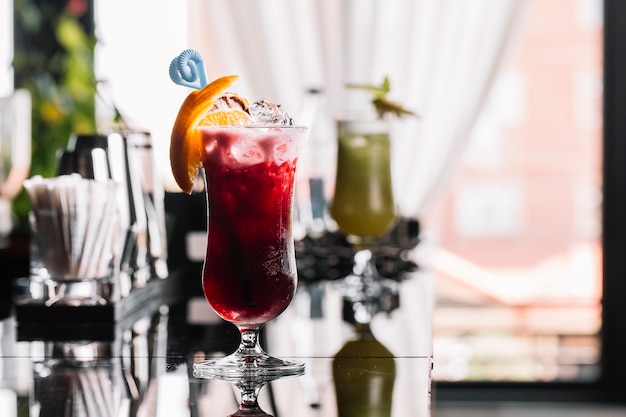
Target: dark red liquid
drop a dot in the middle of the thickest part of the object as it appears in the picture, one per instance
(249, 273)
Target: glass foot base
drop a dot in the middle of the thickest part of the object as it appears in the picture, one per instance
(235, 368)
(250, 413)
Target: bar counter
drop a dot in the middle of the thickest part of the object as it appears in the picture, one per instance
(135, 359)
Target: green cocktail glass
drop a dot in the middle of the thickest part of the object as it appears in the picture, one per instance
(363, 204)
(364, 209)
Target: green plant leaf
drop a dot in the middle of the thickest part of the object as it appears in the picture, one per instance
(381, 103)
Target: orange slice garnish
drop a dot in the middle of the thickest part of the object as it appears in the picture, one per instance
(186, 140)
(227, 117)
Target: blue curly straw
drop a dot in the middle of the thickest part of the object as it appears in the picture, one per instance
(188, 70)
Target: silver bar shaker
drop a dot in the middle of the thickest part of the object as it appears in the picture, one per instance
(140, 148)
(108, 156)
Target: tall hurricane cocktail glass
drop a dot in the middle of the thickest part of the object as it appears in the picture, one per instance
(249, 273)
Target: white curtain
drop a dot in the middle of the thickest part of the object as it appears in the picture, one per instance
(132, 58)
(6, 47)
(440, 55)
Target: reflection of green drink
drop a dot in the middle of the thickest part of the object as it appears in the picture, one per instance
(363, 203)
(364, 373)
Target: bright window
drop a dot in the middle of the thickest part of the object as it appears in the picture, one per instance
(519, 266)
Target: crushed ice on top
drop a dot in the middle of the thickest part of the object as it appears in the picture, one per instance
(244, 152)
(255, 148)
(264, 112)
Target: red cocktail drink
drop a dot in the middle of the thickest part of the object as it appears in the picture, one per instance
(250, 273)
(249, 155)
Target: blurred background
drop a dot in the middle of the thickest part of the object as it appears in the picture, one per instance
(504, 168)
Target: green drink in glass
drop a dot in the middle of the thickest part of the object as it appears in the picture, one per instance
(363, 205)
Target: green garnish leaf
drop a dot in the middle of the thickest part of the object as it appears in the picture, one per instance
(378, 91)
(384, 106)
(380, 101)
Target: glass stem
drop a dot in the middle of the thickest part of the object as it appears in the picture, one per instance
(365, 264)
(249, 404)
(250, 395)
(249, 345)
(365, 271)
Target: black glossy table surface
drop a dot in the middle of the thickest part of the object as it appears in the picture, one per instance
(135, 359)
